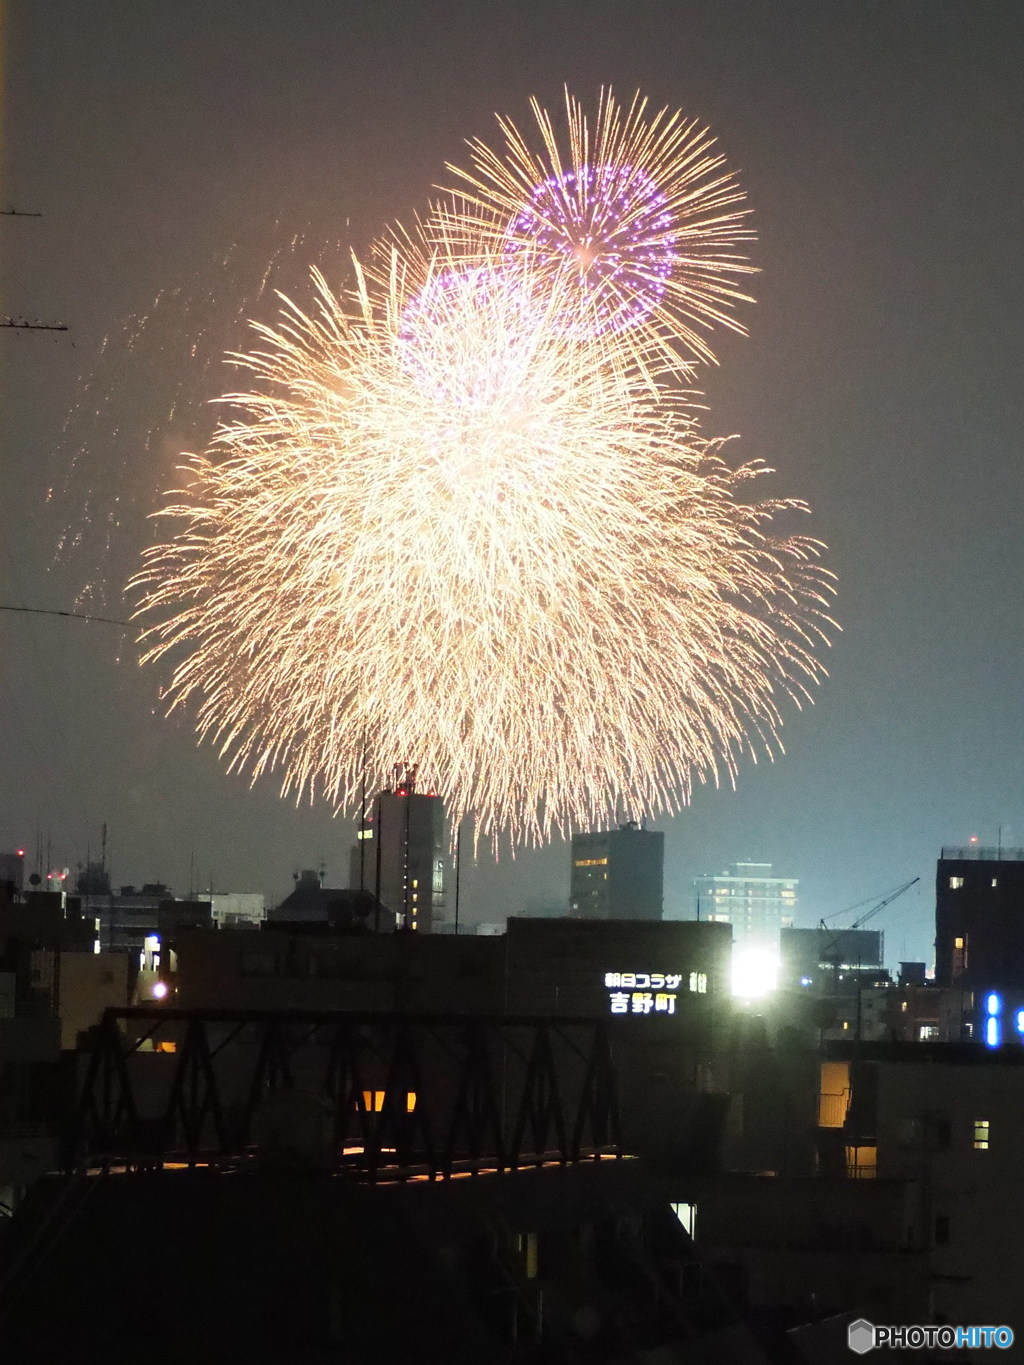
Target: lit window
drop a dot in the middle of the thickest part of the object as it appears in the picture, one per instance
(373, 1101)
(862, 1163)
(995, 881)
(526, 1245)
(959, 956)
(927, 1032)
(410, 1101)
(955, 883)
(981, 1135)
(687, 1215)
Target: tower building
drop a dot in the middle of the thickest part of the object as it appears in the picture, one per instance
(400, 854)
(618, 873)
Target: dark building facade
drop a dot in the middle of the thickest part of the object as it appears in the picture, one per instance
(618, 874)
(581, 1265)
(617, 968)
(828, 961)
(313, 903)
(944, 1119)
(979, 918)
(660, 989)
(672, 974)
(979, 936)
(12, 869)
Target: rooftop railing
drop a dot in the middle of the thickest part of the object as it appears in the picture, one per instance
(982, 853)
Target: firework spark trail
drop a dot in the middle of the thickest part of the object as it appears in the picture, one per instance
(460, 520)
(117, 452)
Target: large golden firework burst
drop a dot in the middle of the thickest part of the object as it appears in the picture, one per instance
(458, 519)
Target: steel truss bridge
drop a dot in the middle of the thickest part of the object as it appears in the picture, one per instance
(379, 1097)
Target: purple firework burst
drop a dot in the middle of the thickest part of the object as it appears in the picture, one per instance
(610, 224)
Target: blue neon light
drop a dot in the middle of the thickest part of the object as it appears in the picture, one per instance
(992, 1033)
(1020, 1021)
(994, 1003)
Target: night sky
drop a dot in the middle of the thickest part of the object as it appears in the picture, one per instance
(177, 150)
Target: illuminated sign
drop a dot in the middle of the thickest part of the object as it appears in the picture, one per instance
(649, 992)
(999, 1019)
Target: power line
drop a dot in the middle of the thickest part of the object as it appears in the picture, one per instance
(72, 789)
(76, 615)
(24, 325)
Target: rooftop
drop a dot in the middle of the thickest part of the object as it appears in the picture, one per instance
(982, 853)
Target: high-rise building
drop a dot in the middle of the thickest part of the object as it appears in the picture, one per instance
(401, 855)
(618, 873)
(757, 905)
(979, 925)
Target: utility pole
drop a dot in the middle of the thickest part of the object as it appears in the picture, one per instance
(458, 871)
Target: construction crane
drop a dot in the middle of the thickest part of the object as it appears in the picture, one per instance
(857, 924)
(870, 914)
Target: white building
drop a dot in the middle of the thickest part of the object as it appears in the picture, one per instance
(234, 909)
(757, 904)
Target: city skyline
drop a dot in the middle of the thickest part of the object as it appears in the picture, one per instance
(877, 147)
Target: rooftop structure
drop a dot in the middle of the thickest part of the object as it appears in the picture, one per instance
(829, 961)
(981, 853)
